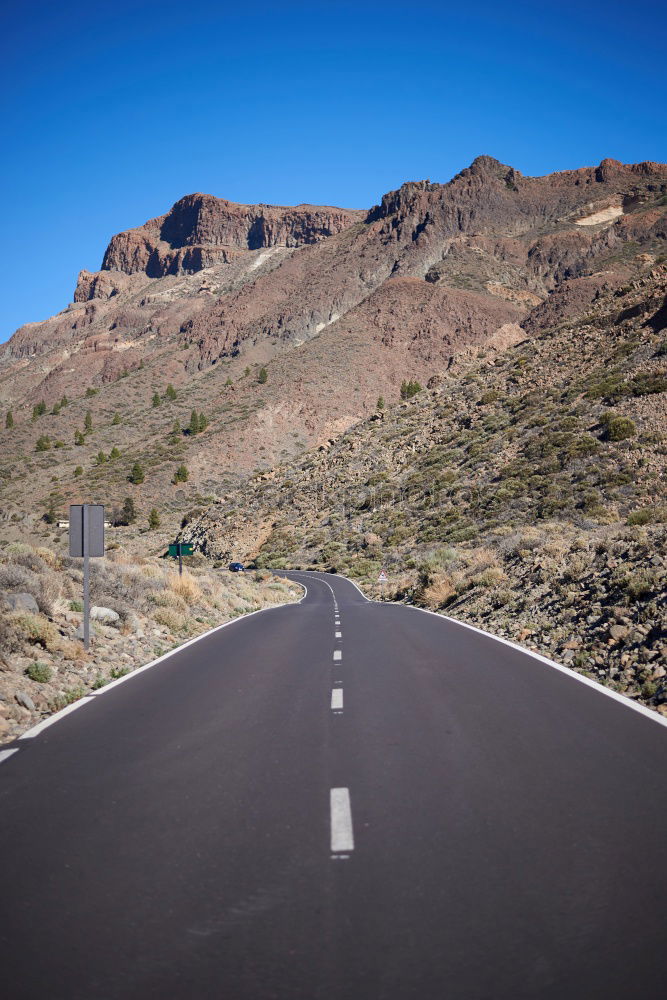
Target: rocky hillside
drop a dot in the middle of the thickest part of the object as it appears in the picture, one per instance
(523, 489)
(283, 326)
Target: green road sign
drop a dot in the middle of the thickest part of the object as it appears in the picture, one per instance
(186, 549)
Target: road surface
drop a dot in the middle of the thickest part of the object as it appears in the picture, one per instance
(338, 800)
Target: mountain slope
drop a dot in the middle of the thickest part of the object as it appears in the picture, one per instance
(342, 306)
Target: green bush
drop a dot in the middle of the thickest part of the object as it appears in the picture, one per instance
(43, 443)
(617, 428)
(39, 671)
(648, 515)
(409, 389)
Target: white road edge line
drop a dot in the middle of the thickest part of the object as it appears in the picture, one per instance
(337, 655)
(337, 698)
(620, 698)
(342, 838)
(5, 754)
(45, 723)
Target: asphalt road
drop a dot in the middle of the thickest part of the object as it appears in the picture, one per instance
(461, 821)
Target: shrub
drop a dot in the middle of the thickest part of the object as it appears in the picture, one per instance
(39, 409)
(78, 471)
(170, 619)
(617, 428)
(153, 520)
(648, 515)
(409, 389)
(137, 474)
(91, 392)
(43, 443)
(380, 403)
(156, 401)
(101, 458)
(79, 438)
(9, 420)
(263, 376)
(116, 420)
(114, 453)
(88, 422)
(39, 671)
(128, 513)
(181, 475)
(185, 586)
(170, 392)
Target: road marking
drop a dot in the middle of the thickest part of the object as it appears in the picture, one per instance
(338, 655)
(4, 754)
(342, 838)
(338, 635)
(337, 698)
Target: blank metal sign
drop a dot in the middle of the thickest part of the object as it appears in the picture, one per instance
(95, 529)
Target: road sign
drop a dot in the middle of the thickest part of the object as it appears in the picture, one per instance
(86, 538)
(179, 549)
(185, 547)
(95, 520)
(382, 577)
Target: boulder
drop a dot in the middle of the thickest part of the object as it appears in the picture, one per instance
(25, 700)
(22, 602)
(106, 615)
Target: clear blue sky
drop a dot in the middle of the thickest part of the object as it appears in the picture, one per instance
(113, 112)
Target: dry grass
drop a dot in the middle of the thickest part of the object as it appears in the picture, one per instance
(184, 586)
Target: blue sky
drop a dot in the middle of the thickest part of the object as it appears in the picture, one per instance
(112, 114)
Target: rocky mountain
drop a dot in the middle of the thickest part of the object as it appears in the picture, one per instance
(338, 307)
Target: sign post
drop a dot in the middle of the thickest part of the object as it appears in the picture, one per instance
(179, 549)
(86, 538)
(382, 579)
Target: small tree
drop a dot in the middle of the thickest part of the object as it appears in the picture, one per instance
(153, 520)
(137, 474)
(263, 376)
(409, 389)
(79, 438)
(229, 381)
(194, 423)
(156, 399)
(9, 420)
(39, 409)
(55, 409)
(128, 511)
(88, 422)
(101, 458)
(203, 422)
(170, 392)
(181, 475)
(78, 471)
(51, 515)
(114, 453)
(64, 401)
(43, 443)
(246, 372)
(116, 420)
(380, 403)
(175, 432)
(91, 392)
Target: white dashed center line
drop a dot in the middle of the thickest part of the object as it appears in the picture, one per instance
(342, 838)
(337, 699)
(338, 635)
(337, 655)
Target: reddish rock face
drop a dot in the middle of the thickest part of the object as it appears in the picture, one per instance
(201, 230)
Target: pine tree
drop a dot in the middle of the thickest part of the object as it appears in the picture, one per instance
(170, 392)
(43, 443)
(79, 438)
(263, 376)
(194, 423)
(116, 420)
(39, 409)
(128, 511)
(181, 475)
(78, 471)
(88, 422)
(114, 453)
(9, 420)
(51, 515)
(202, 422)
(380, 403)
(91, 392)
(153, 520)
(137, 474)
(56, 409)
(229, 381)
(64, 401)
(157, 401)
(101, 458)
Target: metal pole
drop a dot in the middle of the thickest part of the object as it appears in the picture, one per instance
(86, 579)
(180, 561)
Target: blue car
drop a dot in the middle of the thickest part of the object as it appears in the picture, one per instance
(237, 567)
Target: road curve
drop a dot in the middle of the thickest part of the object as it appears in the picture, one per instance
(459, 821)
